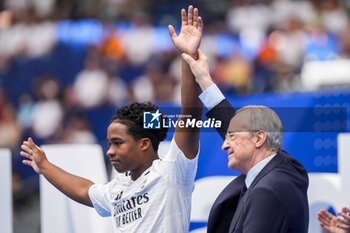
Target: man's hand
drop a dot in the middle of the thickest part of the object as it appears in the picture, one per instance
(333, 224)
(200, 69)
(190, 36)
(35, 155)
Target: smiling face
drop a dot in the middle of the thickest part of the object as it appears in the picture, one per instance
(124, 151)
(240, 143)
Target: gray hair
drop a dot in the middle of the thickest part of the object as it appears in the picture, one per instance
(265, 119)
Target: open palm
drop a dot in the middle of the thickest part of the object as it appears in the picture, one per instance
(188, 40)
(34, 154)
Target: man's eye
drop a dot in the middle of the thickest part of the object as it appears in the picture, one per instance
(117, 143)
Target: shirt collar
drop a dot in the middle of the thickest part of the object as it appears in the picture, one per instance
(252, 173)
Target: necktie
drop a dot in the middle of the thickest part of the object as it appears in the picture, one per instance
(243, 190)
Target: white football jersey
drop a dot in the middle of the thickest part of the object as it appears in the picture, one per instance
(158, 201)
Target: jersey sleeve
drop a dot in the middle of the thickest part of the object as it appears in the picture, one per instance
(179, 168)
(99, 197)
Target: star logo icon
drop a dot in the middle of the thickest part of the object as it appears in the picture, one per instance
(156, 115)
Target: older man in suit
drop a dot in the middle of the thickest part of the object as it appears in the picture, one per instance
(271, 193)
(270, 196)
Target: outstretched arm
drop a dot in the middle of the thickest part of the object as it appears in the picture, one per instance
(200, 69)
(74, 187)
(219, 107)
(188, 41)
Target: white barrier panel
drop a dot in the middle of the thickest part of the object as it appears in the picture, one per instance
(6, 223)
(58, 212)
(204, 195)
(316, 74)
(331, 189)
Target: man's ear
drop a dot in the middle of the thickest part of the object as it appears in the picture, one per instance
(145, 144)
(260, 138)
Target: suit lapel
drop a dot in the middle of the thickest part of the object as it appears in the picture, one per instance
(238, 212)
(232, 189)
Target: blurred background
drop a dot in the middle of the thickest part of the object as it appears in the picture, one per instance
(66, 64)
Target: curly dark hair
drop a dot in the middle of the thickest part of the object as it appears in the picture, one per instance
(131, 115)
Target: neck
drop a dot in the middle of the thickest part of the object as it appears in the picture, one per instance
(146, 164)
(260, 156)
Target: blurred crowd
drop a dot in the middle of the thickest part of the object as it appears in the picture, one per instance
(48, 89)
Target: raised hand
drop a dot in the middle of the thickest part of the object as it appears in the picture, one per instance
(35, 155)
(189, 39)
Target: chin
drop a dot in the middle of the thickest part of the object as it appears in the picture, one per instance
(231, 165)
(119, 170)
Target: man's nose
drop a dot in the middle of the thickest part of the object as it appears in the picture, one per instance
(110, 152)
(225, 145)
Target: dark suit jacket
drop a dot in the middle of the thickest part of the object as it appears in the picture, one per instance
(276, 201)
